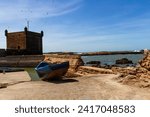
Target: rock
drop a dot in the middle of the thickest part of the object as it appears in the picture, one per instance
(109, 66)
(126, 71)
(145, 76)
(124, 61)
(141, 70)
(93, 70)
(138, 76)
(74, 60)
(3, 85)
(129, 80)
(94, 63)
(145, 62)
(130, 77)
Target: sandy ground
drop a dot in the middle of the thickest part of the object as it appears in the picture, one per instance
(94, 87)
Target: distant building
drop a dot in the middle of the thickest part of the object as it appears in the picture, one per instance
(24, 43)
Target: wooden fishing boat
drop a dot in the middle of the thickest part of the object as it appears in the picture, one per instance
(48, 71)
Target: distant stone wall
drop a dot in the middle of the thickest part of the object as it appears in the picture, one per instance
(2, 52)
(15, 52)
(21, 61)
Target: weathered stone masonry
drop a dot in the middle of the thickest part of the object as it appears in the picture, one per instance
(24, 43)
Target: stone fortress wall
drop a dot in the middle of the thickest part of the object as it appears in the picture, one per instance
(2, 52)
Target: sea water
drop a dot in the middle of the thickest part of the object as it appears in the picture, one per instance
(111, 59)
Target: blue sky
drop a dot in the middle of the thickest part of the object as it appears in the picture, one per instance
(80, 25)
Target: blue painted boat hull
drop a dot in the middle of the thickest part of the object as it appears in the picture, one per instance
(48, 71)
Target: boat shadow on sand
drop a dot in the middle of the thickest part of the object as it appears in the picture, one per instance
(60, 80)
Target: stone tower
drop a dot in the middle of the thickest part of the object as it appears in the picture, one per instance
(24, 42)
